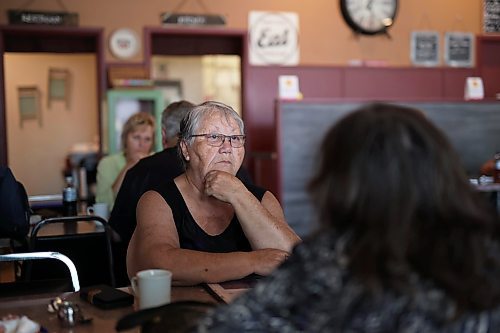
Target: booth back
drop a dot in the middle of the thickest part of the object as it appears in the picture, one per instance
(472, 128)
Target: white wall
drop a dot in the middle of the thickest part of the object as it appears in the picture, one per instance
(37, 152)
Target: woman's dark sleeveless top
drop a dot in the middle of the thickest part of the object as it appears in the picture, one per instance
(191, 236)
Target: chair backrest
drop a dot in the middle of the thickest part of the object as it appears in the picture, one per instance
(14, 207)
(21, 288)
(90, 251)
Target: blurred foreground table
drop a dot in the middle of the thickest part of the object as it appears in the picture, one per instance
(35, 308)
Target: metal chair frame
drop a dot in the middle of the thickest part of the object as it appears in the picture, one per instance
(46, 255)
(68, 219)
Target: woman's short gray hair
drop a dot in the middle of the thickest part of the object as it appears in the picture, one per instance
(194, 117)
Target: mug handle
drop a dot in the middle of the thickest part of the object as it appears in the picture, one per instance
(134, 285)
(90, 210)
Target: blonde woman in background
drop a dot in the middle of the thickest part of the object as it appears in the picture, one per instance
(137, 142)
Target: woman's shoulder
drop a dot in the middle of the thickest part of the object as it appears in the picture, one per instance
(118, 158)
(168, 190)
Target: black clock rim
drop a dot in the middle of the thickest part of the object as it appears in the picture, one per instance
(356, 28)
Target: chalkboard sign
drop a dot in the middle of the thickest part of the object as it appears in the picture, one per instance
(491, 16)
(472, 128)
(425, 48)
(459, 49)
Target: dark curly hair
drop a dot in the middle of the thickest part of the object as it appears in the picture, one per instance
(391, 180)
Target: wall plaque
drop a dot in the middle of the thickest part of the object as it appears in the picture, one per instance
(491, 15)
(42, 18)
(425, 48)
(124, 43)
(274, 38)
(192, 19)
(459, 49)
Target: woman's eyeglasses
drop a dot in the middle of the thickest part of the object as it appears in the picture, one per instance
(217, 140)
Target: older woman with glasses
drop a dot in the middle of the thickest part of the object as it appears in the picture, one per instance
(206, 225)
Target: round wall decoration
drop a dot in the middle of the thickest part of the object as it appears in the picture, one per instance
(124, 43)
(369, 17)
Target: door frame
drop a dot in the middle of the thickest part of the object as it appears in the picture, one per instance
(178, 41)
(34, 39)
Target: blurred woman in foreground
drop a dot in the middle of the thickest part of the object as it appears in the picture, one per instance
(407, 245)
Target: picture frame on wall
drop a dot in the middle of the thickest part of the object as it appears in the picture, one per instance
(29, 104)
(59, 86)
(491, 16)
(459, 49)
(425, 50)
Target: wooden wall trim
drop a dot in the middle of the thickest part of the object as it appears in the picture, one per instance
(3, 113)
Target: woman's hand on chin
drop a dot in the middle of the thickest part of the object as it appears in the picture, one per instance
(222, 185)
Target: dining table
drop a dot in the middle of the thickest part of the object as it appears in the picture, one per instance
(35, 307)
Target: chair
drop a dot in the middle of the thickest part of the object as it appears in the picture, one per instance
(90, 251)
(24, 288)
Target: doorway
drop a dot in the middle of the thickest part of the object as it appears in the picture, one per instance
(44, 48)
(221, 50)
(199, 78)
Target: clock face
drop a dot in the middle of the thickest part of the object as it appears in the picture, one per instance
(369, 17)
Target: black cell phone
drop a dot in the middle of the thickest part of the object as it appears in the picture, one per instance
(106, 297)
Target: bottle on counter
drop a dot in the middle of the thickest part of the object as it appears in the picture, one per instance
(496, 168)
(69, 198)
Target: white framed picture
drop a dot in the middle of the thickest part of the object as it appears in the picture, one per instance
(425, 49)
(459, 49)
(273, 38)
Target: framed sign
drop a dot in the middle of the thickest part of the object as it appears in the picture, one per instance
(274, 38)
(425, 48)
(59, 86)
(42, 17)
(491, 15)
(459, 49)
(29, 104)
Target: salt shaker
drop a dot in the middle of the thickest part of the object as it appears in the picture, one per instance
(69, 314)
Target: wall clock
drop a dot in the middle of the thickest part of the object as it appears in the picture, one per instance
(369, 17)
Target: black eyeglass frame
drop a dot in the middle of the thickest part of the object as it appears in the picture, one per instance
(224, 137)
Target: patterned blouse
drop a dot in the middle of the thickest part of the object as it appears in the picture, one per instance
(314, 292)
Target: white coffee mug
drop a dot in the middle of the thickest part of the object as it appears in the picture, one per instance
(99, 209)
(152, 287)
